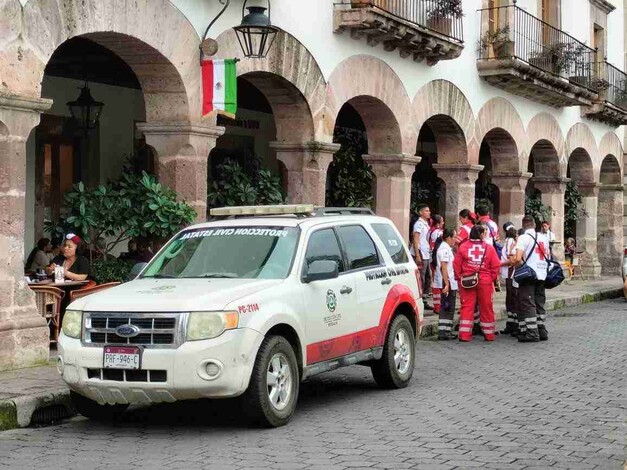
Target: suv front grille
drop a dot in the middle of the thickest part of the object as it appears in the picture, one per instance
(123, 375)
(159, 330)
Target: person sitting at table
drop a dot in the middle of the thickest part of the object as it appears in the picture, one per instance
(39, 257)
(57, 247)
(75, 265)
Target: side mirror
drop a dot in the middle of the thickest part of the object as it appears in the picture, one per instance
(320, 270)
(137, 268)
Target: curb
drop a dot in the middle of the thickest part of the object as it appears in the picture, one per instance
(42, 408)
(430, 327)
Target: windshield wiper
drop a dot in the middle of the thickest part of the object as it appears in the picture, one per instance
(159, 276)
(214, 276)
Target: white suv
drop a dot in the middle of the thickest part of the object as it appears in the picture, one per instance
(249, 304)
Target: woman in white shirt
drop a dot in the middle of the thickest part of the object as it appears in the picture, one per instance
(508, 257)
(445, 279)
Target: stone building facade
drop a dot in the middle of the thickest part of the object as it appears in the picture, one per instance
(400, 72)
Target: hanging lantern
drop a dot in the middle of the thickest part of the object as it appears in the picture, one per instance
(85, 110)
(256, 33)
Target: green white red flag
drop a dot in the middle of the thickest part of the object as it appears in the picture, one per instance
(219, 87)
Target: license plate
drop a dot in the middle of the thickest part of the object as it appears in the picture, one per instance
(122, 357)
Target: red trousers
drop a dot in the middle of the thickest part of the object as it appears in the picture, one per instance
(482, 294)
(437, 299)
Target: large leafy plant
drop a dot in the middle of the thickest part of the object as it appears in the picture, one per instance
(350, 178)
(536, 208)
(236, 185)
(135, 206)
(573, 210)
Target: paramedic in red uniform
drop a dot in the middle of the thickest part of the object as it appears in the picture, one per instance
(476, 256)
(467, 219)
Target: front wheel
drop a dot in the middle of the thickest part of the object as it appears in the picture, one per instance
(396, 366)
(272, 394)
(93, 410)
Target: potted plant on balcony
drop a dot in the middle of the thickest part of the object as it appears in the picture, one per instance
(440, 16)
(557, 58)
(500, 42)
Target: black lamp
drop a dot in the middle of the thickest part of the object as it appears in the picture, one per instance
(256, 33)
(85, 109)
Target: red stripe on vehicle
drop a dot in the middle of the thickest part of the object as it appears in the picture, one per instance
(365, 339)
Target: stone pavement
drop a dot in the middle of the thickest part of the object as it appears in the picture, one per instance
(501, 405)
(24, 391)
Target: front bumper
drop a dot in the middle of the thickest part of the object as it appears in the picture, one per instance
(185, 374)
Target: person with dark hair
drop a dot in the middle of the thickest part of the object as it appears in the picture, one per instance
(57, 247)
(476, 267)
(444, 281)
(420, 248)
(435, 234)
(467, 219)
(532, 249)
(508, 257)
(39, 257)
(75, 265)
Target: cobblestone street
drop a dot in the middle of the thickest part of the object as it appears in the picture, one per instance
(502, 405)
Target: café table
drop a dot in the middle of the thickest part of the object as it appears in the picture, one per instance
(60, 285)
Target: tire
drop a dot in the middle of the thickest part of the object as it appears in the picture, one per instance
(257, 403)
(386, 371)
(92, 410)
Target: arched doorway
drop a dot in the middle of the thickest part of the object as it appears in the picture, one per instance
(545, 189)
(610, 216)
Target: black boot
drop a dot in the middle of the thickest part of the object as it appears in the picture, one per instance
(476, 329)
(528, 337)
(543, 334)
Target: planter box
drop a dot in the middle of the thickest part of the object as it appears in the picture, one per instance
(441, 25)
(503, 49)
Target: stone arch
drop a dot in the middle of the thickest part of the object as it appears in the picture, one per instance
(580, 136)
(292, 82)
(377, 93)
(163, 56)
(499, 114)
(580, 166)
(441, 103)
(610, 171)
(545, 136)
(546, 160)
(610, 145)
(451, 144)
(503, 150)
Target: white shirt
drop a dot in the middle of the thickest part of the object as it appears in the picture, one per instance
(422, 227)
(492, 232)
(508, 250)
(551, 236)
(445, 254)
(536, 257)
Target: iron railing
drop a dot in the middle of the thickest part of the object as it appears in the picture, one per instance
(511, 32)
(442, 16)
(611, 83)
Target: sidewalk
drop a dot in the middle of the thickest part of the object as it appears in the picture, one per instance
(38, 396)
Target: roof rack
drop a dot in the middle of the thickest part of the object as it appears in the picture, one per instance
(297, 210)
(320, 211)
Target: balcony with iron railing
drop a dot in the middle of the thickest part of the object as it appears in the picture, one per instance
(527, 56)
(611, 106)
(428, 30)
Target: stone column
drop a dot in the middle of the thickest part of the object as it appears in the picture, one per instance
(587, 229)
(306, 164)
(610, 229)
(460, 182)
(553, 190)
(182, 150)
(393, 187)
(511, 196)
(24, 339)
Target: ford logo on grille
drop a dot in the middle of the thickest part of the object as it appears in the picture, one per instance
(127, 331)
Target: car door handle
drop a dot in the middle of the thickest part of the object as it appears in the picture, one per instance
(386, 281)
(346, 290)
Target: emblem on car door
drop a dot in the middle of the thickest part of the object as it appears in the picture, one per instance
(331, 300)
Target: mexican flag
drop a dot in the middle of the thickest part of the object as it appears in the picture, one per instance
(219, 87)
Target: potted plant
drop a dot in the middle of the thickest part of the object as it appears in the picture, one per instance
(440, 17)
(499, 41)
(557, 58)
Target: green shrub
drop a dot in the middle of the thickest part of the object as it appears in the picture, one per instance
(110, 270)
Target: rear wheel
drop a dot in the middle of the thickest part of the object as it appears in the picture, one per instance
(93, 410)
(396, 366)
(272, 393)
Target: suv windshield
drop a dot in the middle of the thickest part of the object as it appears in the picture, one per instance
(227, 252)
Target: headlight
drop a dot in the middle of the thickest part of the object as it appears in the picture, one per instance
(206, 325)
(72, 323)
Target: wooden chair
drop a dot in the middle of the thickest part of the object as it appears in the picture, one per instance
(48, 300)
(78, 293)
(575, 267)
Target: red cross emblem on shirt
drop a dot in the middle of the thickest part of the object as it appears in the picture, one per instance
(476, 254)
(540, 249)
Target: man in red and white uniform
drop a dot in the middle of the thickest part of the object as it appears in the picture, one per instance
(476, 256)
(492, 237)
(532, 248)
